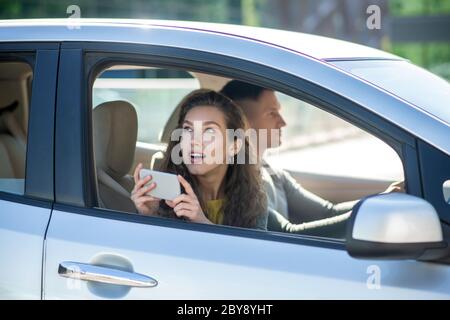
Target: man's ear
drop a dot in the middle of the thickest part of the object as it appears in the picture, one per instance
(235, 147)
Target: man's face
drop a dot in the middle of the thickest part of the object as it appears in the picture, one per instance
(264, 113)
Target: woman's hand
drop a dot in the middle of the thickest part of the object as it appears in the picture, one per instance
(146, 205)
(187, 205)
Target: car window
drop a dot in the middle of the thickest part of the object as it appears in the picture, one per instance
(153, 92)
(317, 142)
(15, 84)
(314, 169)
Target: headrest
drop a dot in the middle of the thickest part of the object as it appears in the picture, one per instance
(115, 135)
(9, 108)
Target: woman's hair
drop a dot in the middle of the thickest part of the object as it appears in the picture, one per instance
(244, 191)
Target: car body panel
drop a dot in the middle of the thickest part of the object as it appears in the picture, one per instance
(202, 265)
(25, 214)
(22, 231)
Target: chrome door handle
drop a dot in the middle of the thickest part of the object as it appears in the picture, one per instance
(89, 272)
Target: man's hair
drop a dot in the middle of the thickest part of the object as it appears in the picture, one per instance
(240, 90)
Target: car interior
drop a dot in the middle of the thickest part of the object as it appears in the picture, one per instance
(118, 149)
(15, 84)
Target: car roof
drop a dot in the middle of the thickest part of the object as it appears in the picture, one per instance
(318, 47)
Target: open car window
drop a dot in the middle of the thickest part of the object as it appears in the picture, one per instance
(322, 167)
(15, 95)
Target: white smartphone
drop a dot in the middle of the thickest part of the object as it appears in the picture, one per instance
(167, 184)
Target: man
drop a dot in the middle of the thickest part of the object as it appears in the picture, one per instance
(285, 195)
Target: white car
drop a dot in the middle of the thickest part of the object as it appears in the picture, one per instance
(58, 242)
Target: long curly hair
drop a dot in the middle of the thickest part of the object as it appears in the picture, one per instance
(243, 186)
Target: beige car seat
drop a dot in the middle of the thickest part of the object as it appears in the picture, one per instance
(115, 135)
(12, 144)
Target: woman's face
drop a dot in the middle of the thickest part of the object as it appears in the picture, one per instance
(203, 140)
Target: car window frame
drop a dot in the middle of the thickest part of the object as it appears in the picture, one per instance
(435, 170)
(90, 58)
(42, 57)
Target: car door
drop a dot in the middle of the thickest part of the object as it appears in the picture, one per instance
(28, 84)
(156, 258)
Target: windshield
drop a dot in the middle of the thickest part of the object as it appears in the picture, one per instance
(413, 84)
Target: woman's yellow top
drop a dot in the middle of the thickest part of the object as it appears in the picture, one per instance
(214, 213)
(215, 210)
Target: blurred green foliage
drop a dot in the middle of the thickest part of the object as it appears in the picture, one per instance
(434, 56)
(217, 10)
(419, 7)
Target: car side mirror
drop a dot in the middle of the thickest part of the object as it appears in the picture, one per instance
(394, 226)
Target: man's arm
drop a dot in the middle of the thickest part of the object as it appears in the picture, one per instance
(334, 227)
(305, 206)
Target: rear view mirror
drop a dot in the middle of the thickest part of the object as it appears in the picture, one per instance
(394, 226)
